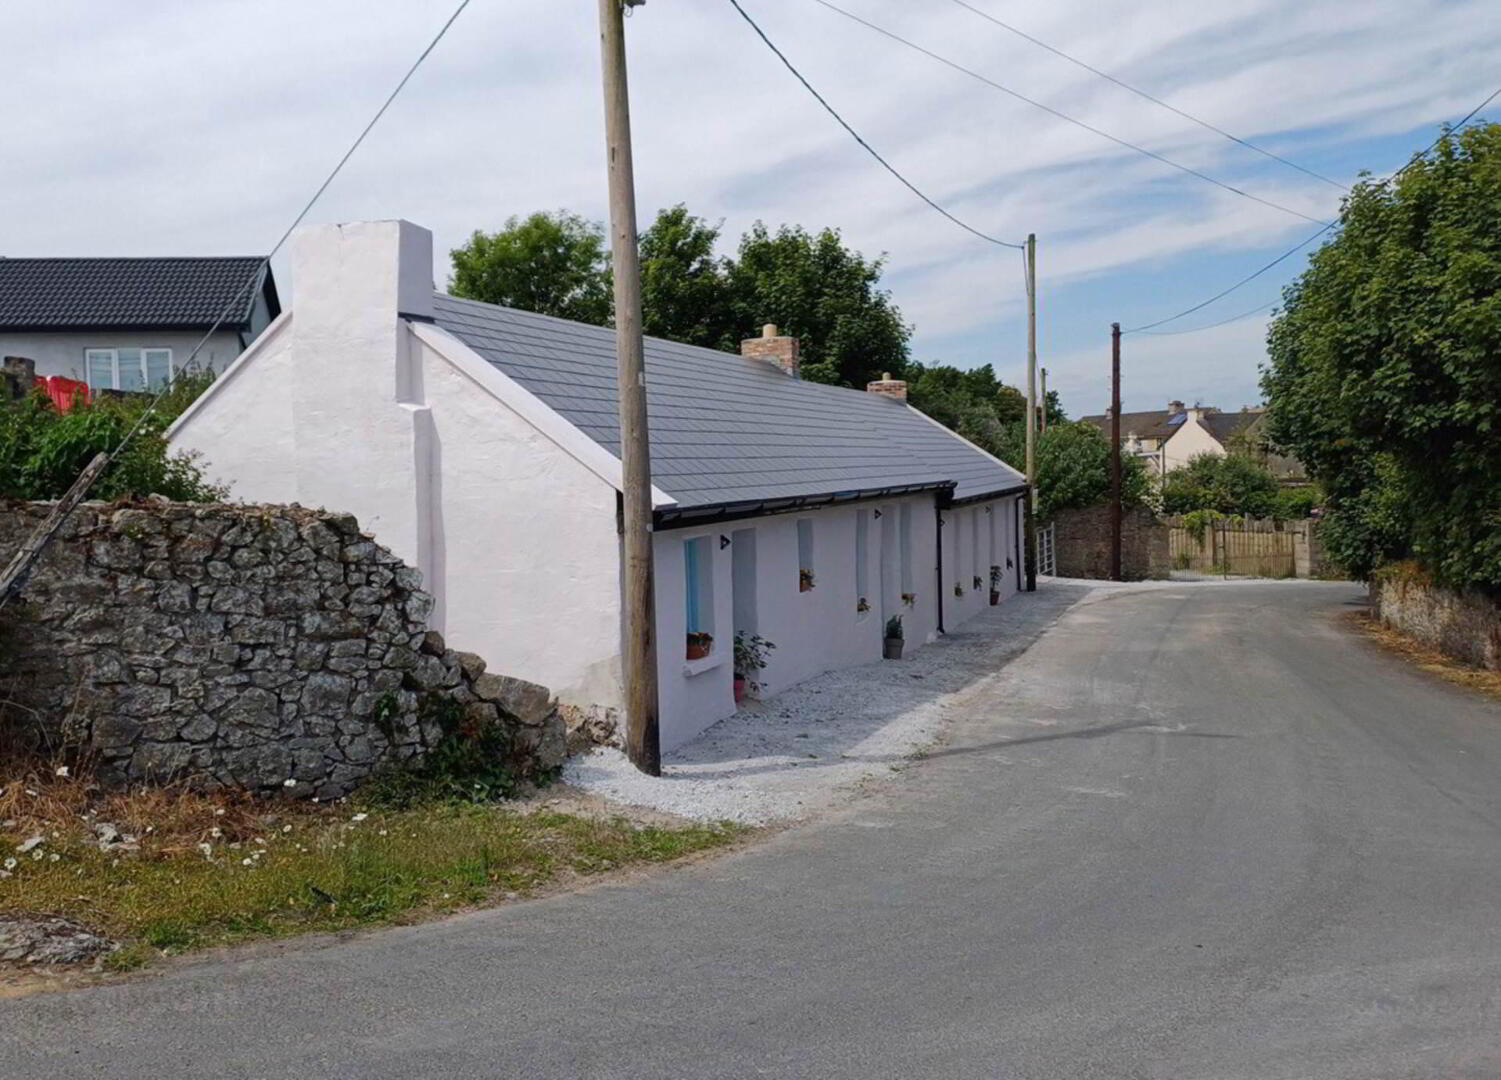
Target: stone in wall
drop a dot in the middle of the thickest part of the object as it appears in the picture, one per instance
(267, 648)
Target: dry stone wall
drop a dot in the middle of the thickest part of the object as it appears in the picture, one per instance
(262, 647)
(1081, 543)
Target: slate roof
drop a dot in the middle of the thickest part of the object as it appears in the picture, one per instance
(1223, 425)
(1145, 425)
(184, 293)
(726, 428)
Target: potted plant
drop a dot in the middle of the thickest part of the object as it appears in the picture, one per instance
(862, 605)
(891, 648)
(909, 598)
(750, 659)
(958, 589)
(804, 580)
(699, 645)
(974, 583)
(995, 585)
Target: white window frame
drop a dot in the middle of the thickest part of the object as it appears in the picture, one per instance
(114, 365)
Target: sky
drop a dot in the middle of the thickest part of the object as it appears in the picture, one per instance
(157, 128)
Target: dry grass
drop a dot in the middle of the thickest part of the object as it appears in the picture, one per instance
(1428, 659)
(214, 869)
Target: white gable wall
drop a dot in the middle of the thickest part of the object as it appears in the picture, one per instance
(1188, 442)
(351, 407)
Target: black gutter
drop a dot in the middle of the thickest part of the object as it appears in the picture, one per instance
(673, 517)
(1014, 489)
(1016, 541)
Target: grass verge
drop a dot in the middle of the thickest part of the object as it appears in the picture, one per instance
(1426, 658)
(214, 870)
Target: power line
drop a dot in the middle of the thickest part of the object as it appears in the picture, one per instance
(1062, 115)
(856, 135)
(1304, 243)
(21, 566)
(1143, 94)
(262, 266)
(1223, 322)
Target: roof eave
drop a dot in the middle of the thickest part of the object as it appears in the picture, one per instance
(681, 517)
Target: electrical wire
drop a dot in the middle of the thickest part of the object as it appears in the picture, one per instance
(857, 137)
(1143, 94)
(1304, 243)
(1188, 169)
(1223, 322)
(253, 282)
(260, 271)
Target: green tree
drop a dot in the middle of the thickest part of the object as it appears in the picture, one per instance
(550, 263)
(42, 451)
(685, 291)
(828, 296)
(967, 400)
(1073, 467)
(1384, 368)
(1224, 483)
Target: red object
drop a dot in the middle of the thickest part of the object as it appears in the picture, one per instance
(63, 391)
(739, 689)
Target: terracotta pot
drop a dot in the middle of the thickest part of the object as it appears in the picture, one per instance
(739, 689)
(697, 652)
(892, 648)
(995, 597)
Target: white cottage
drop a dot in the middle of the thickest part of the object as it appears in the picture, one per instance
(479, 443)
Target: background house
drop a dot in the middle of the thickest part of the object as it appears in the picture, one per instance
(126, 324)
(1168, 438)
(480, 444)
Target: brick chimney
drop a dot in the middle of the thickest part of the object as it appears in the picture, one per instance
(1174, 408)
(781, 351)
(886, 386)
(17, 377)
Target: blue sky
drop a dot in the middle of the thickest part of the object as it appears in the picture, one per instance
(198, 129)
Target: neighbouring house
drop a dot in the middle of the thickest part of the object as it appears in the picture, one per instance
(480, 444)
(128, 324)
(1166, 439)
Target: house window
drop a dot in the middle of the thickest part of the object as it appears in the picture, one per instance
(904, 540)
(974, 549)
(127, 369)
(862, 575)
(698, 594)
(805, 578)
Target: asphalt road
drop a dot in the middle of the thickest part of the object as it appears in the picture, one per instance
(1195, 832)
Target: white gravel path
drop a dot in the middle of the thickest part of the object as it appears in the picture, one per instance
(802, 749)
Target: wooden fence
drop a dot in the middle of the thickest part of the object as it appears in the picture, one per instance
(1255, 547)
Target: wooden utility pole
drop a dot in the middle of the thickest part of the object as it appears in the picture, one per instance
(1030, 527)
(639, 654)
(1115, 451)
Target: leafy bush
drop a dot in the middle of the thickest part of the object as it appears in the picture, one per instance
(1225, 483)
(472, 763)
(1073, 467)
(42, 451)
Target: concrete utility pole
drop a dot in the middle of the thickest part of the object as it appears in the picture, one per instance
(639, 657)
(1115, 451)
(1030, 526)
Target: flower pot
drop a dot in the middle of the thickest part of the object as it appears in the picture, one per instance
(995, 597)
(891, 648)
(697, 651)
(739, 689)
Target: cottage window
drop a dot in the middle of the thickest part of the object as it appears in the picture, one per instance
(805, 576)
(698, 590)
(127, 369)
(862, 573)
(905, 541)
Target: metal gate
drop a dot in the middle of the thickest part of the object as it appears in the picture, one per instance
(1047, 556)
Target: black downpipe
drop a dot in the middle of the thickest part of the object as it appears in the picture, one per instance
(1016, 539)
(938, 532)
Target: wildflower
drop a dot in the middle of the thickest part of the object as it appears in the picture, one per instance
(207, 849)
(216, 832)
(247, 862)
(219, 812)
(53, 857)
(37, 854)
(289, 782)
(359, 817)
(383, 832)
(62, 770)
(10, 864)
(286, 828)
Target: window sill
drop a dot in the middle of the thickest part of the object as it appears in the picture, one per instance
(703, 664)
